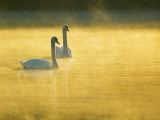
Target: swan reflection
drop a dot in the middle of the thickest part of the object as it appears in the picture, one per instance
(65, 64)
(42, 76)
(38, 73)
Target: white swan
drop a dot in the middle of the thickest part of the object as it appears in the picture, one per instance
(42, 63)
(64, 51)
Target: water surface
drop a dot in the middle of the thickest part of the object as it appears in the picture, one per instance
(113, 75)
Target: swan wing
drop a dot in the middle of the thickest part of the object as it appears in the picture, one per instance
(37, 64)
(70, 52)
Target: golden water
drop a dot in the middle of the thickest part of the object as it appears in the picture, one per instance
(114, 75)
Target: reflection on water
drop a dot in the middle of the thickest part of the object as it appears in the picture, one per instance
(66, 63)
(38, 73)
(42, 73)
(113, 75)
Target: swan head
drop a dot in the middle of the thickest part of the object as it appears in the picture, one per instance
(54, 39)
(65, 27)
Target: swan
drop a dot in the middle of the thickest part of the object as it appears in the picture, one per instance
(64, 51)
(42, 63)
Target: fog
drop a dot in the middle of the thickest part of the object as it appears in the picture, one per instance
(91, 18)
(114, 72)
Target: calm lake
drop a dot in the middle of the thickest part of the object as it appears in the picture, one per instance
(114, 74)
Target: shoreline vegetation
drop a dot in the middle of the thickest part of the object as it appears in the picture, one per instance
(38, 19)
(79, 5)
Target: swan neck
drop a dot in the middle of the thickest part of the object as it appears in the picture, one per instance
(53, 53)
(65, 45)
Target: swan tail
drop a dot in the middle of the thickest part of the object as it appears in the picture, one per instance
(21, 62)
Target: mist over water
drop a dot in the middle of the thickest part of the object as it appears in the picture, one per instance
(80, 18)
(113, 75)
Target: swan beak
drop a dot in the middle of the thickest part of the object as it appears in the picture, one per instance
(57, 42)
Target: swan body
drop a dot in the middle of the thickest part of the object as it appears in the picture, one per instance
(59, 52)
(64, 51)
(36, 64)
(42, 63)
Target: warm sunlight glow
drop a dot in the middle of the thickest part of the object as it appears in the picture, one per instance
(114, 74)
